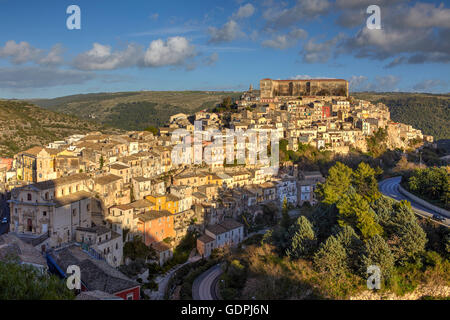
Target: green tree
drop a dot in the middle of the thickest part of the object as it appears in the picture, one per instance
(102, 162)
(409, 243)
(365, 182)
(355, 211)
(153, 130)
(136, 249)
(285, 219)
(377, 252)
(303, 241)
(331, 257)
(376, 143)
(337, 184)
(352, 244)
(24, 282)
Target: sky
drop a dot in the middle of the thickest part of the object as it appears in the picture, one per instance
(220, 45)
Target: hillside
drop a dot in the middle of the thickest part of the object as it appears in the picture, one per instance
(427, 112)
(23, 126)
(134, 110)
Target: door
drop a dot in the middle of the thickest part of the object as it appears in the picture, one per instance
(44, 228)
(29, 225)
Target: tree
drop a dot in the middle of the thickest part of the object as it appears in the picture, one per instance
(152, 129)
(331, 257)
(365, 183)
(285, 219)
(303, 241)
(355, 211)
(102, 162)
(410, 242)
(136, 249)
(377, 252)
(376, 143)
(337, 184)
(352, 244)
(24, 282)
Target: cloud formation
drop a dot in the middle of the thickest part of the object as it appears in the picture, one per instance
(278, 17)
(245, 11)
(173, 52)
(23, 52)
(227, 33)
(409, 35)
(379, 84)
(314, 52)
(285, 41)
(101, 57)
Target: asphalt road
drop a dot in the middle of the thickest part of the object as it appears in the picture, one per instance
(203, 287)
(389, 187)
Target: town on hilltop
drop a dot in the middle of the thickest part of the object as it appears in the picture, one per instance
(81, 200)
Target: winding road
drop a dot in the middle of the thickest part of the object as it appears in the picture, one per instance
(389, 187)
(204, 286)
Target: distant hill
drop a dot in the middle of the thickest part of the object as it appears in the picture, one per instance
(134, 110)
(23, 126)
(427, 112)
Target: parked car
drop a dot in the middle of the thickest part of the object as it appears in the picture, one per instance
(438, 218)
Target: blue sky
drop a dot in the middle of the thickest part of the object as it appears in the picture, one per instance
(220, 45)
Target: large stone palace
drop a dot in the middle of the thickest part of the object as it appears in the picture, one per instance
(312, 87)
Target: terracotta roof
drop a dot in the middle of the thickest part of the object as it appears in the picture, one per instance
(107, 179)
(61, 181)
(153, 214)
(77, 196)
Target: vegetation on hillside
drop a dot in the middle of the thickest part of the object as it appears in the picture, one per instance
(23, 125)
(431, 184)
(427, 112)
(326, 253)
(135, 110)
(24, 282)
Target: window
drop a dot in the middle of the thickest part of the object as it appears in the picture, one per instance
(46, 196)
(130, 296)
(88, 207)
(29, 196)
(44, 213)
(74, 212)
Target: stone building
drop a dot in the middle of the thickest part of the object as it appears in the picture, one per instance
(312, 87)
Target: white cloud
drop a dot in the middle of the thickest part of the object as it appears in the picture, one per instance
(101, 57)
(386, 83)
(307, 77)
(54, 56)
(154, 16)
(175, 51)
(285, 41)
(279, 17)
(229, 32)
(430, 85)
(212, 59)
(245, 11)
(313, 52)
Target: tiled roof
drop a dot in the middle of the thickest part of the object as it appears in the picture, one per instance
(107, 179)
(44, 185)
(74, 197)
(95, 274)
